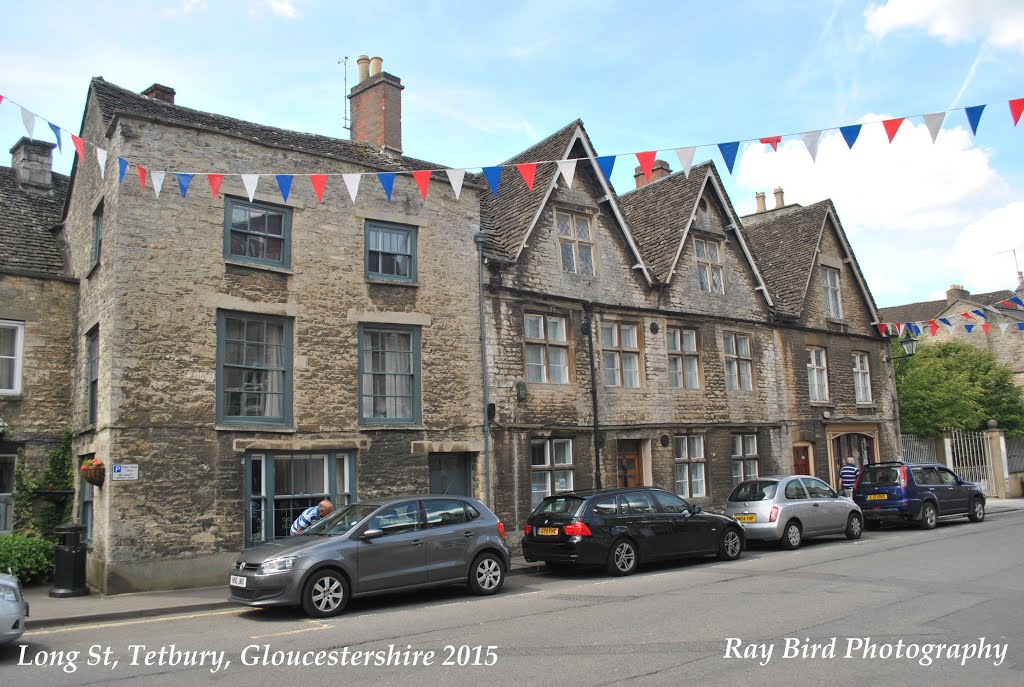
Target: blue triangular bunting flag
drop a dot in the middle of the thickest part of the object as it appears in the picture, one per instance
(56, 132)
(1017, 300)
(1020, 326)
(945, 321)
(970, 327)
(122, 166)
(916, 328)
(493, 175)
(850, 134)
(183, 181)
(387, 180)
(728, 151)
(979, 312)
(284, 182)
(606, 164)
(974, 116)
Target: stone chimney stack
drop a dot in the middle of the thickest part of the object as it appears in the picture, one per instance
(160, 92)
(779, 200)
(377, 106)
(1020, 285)
(759, 197)
(33, 163)
(956, 292)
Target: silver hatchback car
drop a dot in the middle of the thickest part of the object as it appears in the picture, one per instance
(395, 544)
(789, 508)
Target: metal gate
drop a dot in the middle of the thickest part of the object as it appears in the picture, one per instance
(971, 459)
(917, 450)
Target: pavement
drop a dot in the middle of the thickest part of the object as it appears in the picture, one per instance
(46, 611)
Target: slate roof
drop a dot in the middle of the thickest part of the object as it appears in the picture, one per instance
(26, 216)
(929, 310)
(658, 212)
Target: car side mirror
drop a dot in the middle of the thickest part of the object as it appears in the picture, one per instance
(695, 508)
(371, 534)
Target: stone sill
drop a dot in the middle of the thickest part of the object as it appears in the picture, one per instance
(392, 282)
(258, 266)
(254, 428)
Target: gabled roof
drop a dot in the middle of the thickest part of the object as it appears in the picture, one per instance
(929, 310)
(785, 243)
(509, 217)
(27, 215)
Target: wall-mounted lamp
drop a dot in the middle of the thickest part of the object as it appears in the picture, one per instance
(909, 344)
(825, 415)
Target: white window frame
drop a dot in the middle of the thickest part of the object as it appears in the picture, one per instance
(688, 452)
(739, 366)
(683, 354)
(709, 267)
(745, 459)
(18, 357)
(542, 338)
(7, 497)
(817, 374)
(557, 465)
(861, 377)
(833, 293)
(620, 363)
(575, 241)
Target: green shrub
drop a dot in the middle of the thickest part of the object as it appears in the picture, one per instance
(29, 558)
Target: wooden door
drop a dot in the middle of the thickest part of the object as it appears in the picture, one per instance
(802, 460)
(629, 469)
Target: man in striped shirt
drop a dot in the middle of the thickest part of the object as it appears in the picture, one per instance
(848, 475)
(311, 515)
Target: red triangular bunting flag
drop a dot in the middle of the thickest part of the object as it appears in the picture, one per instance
(1008, 304)
(1, 98)
(80, 147)
(215, 182)
(986, 327)
(967, 315)
(647, 162)
(892, 126)
(882, 328)
(773, 141)
(422, 178)
(933, 326)
(142, 175)
(1016, 108)
(528, 170)
(319, 182)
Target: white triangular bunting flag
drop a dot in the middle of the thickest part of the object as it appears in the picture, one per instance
(158, 182)
(685, 156)
(568, 169)
(811, 139)
(934, 123)
(352, 184)
(455, 178)
(250, 181)
(1003, 326)
(101, 157)
(29, 120)
(951, 328)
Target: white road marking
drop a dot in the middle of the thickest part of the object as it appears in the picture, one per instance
(96, 626)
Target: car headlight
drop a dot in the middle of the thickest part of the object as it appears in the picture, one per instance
(277, 565)
(9, 593)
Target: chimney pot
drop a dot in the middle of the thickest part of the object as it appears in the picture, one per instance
(33, 163)
(779, 200)
(638, 176)
(160, 92)
(364, 67)
(759, 197)
(375, 65)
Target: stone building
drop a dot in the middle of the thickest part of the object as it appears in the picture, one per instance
(37, 314)
(234, 359)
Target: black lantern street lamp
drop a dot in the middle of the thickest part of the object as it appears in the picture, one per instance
(909, 344)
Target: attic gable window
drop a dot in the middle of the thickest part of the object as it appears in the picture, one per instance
(257, 232)
(575, 242)
(833, 296)
(709, 266)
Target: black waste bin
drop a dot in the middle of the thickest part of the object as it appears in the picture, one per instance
(69, 562)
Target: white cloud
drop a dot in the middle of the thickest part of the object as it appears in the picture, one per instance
(282, 8)
(999, 22)
(978, 254)
(907, 206)
(184, 7)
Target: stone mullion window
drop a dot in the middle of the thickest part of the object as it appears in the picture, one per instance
(817, 375)
(739, 362)
(547, 349)
(745, 459)
(833, 296)
(861, 378)
(683, 359)
(620, 354)
(551, 468)
(690, 479)
(575, 242)
(710, 277)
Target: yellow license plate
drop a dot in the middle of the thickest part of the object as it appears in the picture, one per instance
(547, 531)
(877, 497)
(746, 518)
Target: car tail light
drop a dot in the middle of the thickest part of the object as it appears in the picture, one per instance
(903, 477)
(526, 530)
(774, 514)
(501, 529)
(577, 529)
(856, 482)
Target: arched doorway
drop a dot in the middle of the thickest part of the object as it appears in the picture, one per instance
(860, 446)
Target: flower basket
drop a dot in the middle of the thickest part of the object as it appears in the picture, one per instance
(94, 474)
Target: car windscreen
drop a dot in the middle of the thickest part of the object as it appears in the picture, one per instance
(872, 476)
(559, 504)
(341, 520)
(757, 490)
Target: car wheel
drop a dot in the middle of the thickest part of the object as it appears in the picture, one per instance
(791, 536)
(873, 524)
(977, 512)
(854, 526)
(622, 559)
(325, 594)
(486, 575)
(731, 546)
(929, 516)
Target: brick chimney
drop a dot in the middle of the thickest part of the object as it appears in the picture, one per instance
(759, 197)
(779, 201)
(956, 292)
(659, 170)
(33, 163)
(377, 106)
(160, 92)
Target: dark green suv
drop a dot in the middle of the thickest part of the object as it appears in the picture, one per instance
(916, 492)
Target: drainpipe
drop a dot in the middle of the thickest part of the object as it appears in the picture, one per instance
(479, 238)
(589, 324)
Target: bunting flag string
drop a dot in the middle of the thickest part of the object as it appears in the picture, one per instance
(729, 150)
(1014, 303)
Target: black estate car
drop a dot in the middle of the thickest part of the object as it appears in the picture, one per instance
(622, 528)
(915, 492)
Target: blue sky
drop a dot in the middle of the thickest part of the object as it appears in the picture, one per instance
(484, 81)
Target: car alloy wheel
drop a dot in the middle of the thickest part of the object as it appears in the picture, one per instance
(623, 558)
(731, 546)
(929, 518)
(854, 527)
(977, 513)
(325, 594)
(487, 575)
